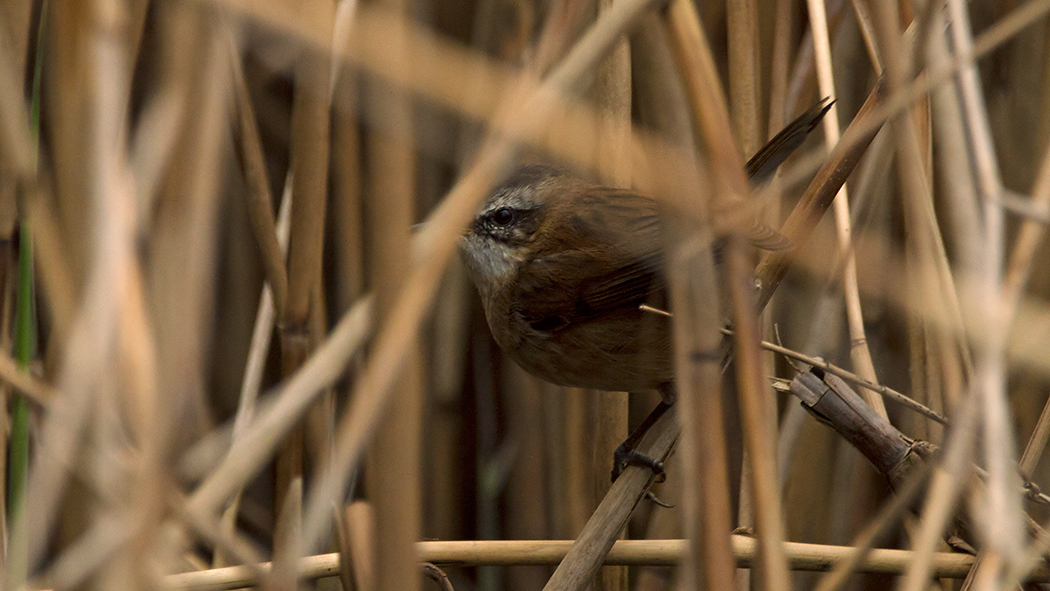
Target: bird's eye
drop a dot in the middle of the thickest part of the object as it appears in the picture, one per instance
(503, 216)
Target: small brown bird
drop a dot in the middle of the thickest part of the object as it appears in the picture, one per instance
(562, 266)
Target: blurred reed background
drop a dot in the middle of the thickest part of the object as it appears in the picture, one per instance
(224, 343)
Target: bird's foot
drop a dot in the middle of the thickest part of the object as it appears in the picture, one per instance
(628, 456)
(625, 456)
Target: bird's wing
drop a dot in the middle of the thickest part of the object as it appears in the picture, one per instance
(765, 162)
(611, 260)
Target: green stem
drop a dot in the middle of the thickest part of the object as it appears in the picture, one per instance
(25, 350)
(25, 337)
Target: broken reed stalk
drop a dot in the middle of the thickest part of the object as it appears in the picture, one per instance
(854, 379)
(850, 377)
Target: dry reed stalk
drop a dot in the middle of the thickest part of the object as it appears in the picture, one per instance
(447, 368)
(1004, 534)
(526, 491)
(815, 201)
(807, 557)
(612, 90)
(898, 506)
(1028, 239)
(287, 533)
(1033, 451)
(444, 464)
(709, 110)
(308, 168)
(259, 199)
(801, 85)
(346, 561)
(705, 493)
(15, 29)
(181, 270)
(951, 156)
(928, 251)
(1034, 314)
(114, 304)
(779, 67)
(394, 469)
(234, 545)
(867, 30)
(589, 549)
(126, 382)
(67, 79)
(853, 379)
(322, 369)
(710, 119)
(462, 81)
(777, 116)
(860, 354)
(707, 513)
(360, 520)
(17, 150)
(182, 233)
(255, 364)
(758, 414)
(941, 496)
(346, 231)
(662, 105)
(576, 494)
(347, 191)
(745, 74)
(1018, 269)
(392, 346)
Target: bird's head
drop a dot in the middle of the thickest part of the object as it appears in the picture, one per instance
(502, 236)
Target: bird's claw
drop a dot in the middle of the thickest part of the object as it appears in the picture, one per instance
(626, 456)
(652, 497)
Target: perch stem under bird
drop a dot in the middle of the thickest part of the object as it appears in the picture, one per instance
(563, 264)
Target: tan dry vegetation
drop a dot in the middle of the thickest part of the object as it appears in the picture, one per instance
(251, 351)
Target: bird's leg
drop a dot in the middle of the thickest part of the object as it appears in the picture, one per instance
(626, 454)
